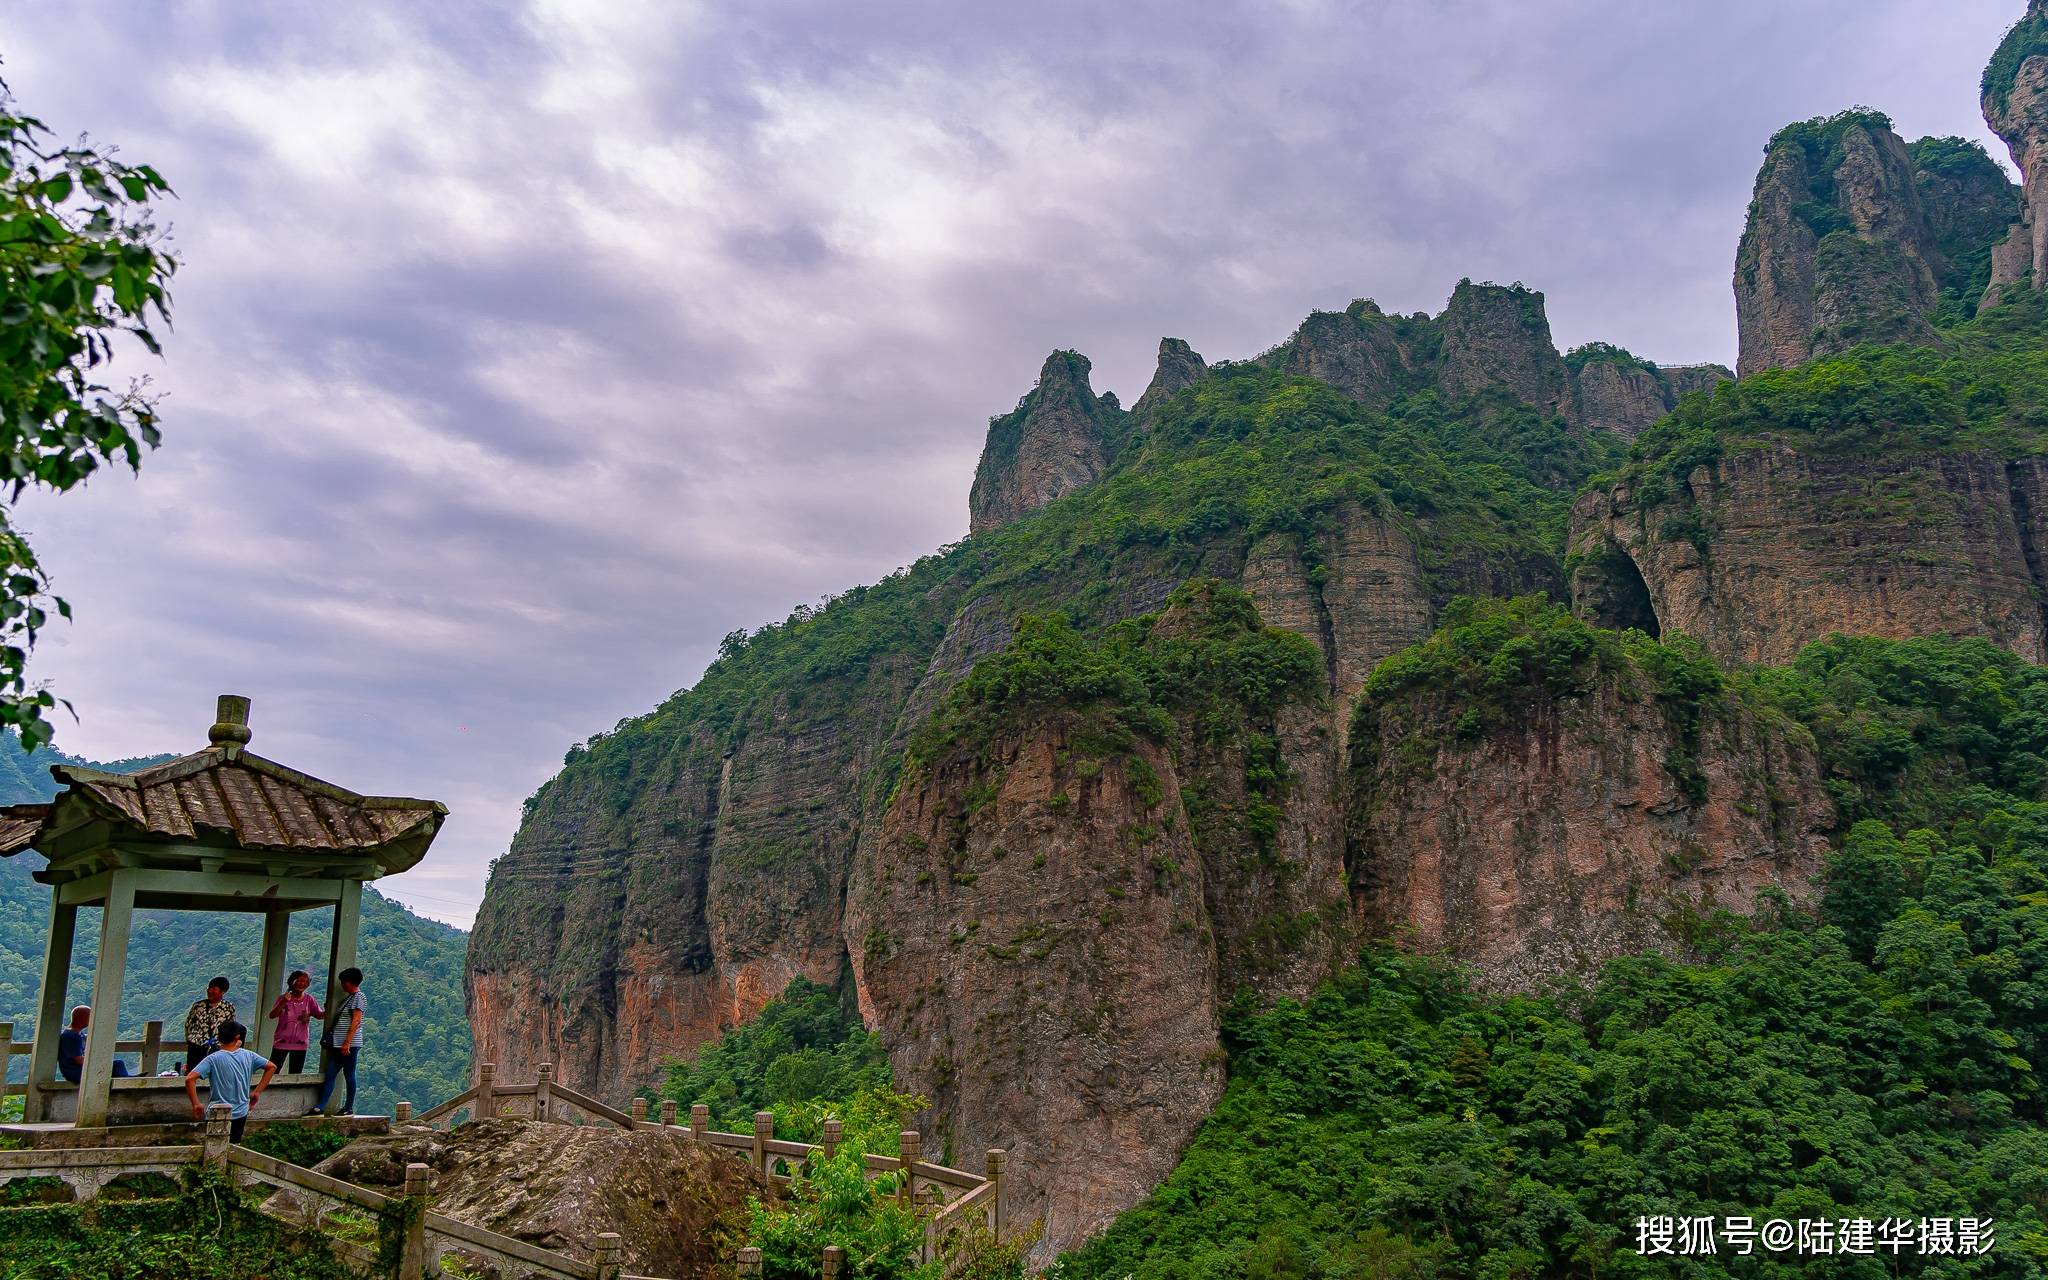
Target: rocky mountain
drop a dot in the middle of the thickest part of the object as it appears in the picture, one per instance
(1060, 437)
(1616, 390)
(1205, 698)
(2015, 100)
(1855, 237)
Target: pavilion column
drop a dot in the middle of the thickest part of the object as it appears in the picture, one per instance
(51, 1014)
(277, 925)
(341, 953)
(96, 1080)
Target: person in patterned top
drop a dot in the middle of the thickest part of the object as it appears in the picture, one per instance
(204, 1020)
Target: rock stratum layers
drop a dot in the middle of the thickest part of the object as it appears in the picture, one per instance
(1771, 548)
(1560, 836)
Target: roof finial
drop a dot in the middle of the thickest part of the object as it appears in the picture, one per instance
(231, 721)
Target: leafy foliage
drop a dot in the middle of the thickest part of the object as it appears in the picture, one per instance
(804, 1046)
(203, 1233)
(1587, 353)
(1984, 388)
(1879, 1056)
(2025, 39)
(80, 261)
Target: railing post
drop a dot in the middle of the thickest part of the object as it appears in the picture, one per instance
(831, 1138)
(6, 1049)
(639, 1112)
(835, 1261)
(152, 1046)
(544, 1091)
(700, 1122)
(750, 1263)
(604, 1255)
(764, 1129)
(995, 1197)
(486, 1091)
(908, 1146)
(401, 1113)
(668, 1111)
(412, 1251)
(923, 1199)
(217, 1122)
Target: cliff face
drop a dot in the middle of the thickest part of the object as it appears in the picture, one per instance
(1855, 237)
(2015, 99)
(1049, 921)
(1617, 392)
(1773, 548)
(1561, 836)
(1061, 436)
(1495, 336)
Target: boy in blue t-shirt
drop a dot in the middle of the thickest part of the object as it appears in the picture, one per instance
(227, 1072)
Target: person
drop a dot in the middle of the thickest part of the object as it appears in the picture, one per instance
(293, 1010)
(227, 1072)
(204, 1020)
(71, 1047)
(344, 1041)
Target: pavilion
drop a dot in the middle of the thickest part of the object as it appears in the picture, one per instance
(218, 830)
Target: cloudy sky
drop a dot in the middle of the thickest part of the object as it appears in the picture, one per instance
(523, 350)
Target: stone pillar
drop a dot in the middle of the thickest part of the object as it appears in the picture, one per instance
(52, 1012)
(700, 1122)
(544, 1091)
(487, 1091)
(764, 1129)
(269, 981)
(412, 1251)
(401, 1113)
(908, 1149)
(215, 1151)
(830, 1144)
(341, 953)
(750, 1263)
(639, 1112)
(152, 1047)
(922, 1198)
(668, 1111)
(604, 1255)
(97, 1076)
(995, 1197)
(834, 1261)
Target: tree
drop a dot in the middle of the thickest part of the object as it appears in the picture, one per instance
(80, 261)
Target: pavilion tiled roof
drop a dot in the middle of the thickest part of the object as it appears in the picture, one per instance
(223, 795)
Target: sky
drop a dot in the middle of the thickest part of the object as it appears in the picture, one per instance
(523, 350)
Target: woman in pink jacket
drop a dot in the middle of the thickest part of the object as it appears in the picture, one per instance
(293, 1010)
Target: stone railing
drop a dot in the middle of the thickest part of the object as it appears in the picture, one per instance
(946, 1199)
(151, 1047)
(312, 1200)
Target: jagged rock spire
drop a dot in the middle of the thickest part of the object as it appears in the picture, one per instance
(1060, 437)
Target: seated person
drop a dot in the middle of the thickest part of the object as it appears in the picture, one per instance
(71, 1047)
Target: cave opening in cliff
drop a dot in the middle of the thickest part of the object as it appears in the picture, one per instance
(1623, 599)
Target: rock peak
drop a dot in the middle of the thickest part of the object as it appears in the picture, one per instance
(1180, 365)
(1499, 336)
(1060, 437)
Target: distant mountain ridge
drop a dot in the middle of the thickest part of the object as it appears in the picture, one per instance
(418, 1039)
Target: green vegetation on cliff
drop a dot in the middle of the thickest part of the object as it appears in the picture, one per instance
(2026, 38)
(1882, 1055)
(1207, 660)
(1820, 142)
(1983, 387)
(803, 1047)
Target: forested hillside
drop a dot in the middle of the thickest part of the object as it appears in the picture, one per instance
(417, 1045)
